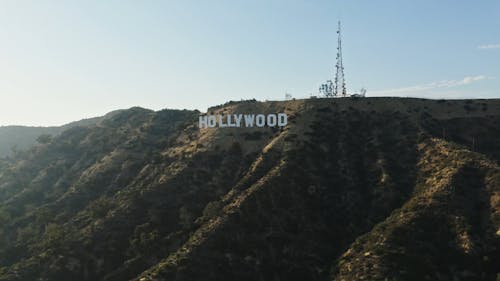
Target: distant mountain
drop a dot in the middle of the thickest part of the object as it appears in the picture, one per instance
(14, 138)
(18, 138)
(351, 189)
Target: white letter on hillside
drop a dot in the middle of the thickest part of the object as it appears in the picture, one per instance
(238, 118)
(212, 122)
(221, 124)
(260, 120)
(271, 120)
(203, 122)
(249, 120)
(282, 119)
(229, 123)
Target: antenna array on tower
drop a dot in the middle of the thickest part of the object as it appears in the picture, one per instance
(336, 88)
(340, 89)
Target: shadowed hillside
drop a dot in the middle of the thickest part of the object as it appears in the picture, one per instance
(351, 189)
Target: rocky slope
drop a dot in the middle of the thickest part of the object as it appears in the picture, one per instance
(351, 189)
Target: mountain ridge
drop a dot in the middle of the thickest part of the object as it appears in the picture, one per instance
(338, 194)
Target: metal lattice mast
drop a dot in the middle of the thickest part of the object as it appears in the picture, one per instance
(340, 89)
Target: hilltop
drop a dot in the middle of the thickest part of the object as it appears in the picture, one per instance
(350, 189)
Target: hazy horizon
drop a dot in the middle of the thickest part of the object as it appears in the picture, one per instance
(65, 61)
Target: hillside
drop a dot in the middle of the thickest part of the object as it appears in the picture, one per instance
(351, 189)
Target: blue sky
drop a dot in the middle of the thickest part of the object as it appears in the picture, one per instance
(65, 60)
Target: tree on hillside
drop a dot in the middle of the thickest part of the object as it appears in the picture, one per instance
(44, 138)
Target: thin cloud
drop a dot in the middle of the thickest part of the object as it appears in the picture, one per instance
(489, 46)
(425, 88)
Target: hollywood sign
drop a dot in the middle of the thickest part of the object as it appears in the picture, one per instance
(243, 120)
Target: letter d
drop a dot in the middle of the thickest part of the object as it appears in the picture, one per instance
(282, 119)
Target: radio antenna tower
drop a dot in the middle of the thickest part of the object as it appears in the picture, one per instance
(336, 88)
(340, 89)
